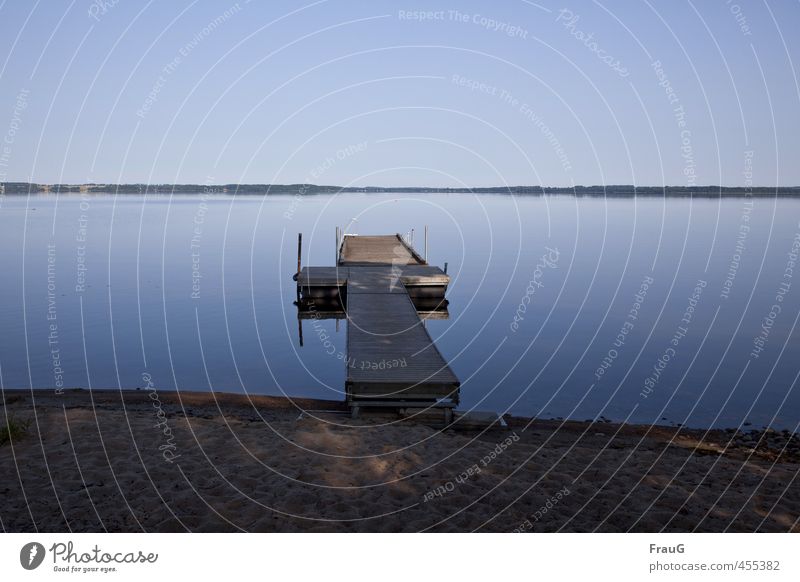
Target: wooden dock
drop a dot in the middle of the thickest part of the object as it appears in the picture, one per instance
(388, 249)
(383, 287)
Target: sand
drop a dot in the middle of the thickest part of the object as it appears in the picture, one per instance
(168, 462)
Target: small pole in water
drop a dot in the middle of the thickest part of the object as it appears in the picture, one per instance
(299, 254)
(336, 255)
(426, 244)
(300, 330)
(299, 250)
(445, 268)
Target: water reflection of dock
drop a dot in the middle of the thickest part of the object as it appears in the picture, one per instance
(386, 291)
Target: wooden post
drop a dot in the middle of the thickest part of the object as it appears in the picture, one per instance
(426, 244)
(299, 253)
(299, 250)
(300, 330)
(336, 255)
(445, 268)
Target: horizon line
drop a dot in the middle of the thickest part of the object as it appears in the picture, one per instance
(18, 184)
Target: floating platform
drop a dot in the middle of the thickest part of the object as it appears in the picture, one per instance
(418, 281)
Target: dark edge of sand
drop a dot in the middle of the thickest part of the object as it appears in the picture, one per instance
(765, 443)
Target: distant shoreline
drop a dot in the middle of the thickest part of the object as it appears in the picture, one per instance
(23, 188)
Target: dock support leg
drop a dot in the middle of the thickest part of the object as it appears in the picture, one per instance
(354, 412)
(299, 257)
(299, 251)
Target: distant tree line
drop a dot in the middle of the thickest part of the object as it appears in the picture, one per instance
(615, 190)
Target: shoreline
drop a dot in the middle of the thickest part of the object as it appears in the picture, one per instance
(306, 403)
(203, 461)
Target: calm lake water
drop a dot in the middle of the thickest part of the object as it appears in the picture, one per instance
(650, 310)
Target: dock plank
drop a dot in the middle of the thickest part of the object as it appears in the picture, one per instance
(423, 275)
(375, 280)
(381, 249)
(410, 275)
(383, 329)
(323, 276)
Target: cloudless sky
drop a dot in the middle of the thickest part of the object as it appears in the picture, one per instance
(366, 93)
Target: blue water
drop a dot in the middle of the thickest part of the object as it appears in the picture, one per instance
(131, 310)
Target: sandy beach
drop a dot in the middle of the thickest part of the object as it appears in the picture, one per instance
(191, 461)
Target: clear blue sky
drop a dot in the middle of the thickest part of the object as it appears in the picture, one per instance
(345, 92)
